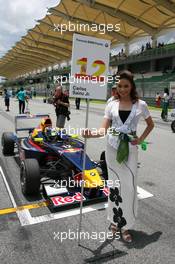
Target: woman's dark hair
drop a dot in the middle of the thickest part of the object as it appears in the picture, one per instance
(166, 91)
(127, 75)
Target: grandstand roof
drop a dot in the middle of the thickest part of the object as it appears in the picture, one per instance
(45, 46)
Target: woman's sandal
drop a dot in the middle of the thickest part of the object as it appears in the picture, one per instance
(114, 229)
(126, 236)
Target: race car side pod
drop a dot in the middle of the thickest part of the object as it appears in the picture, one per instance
(83, 174)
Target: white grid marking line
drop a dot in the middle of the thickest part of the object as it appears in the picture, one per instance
(23, 215)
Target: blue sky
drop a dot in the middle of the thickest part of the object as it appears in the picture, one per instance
(17, 16)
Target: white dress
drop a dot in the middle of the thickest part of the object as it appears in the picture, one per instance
(122, 178)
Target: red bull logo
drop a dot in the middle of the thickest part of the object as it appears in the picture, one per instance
(59, 200)
(63, 200)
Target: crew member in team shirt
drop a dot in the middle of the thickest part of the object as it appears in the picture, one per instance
(21, 95)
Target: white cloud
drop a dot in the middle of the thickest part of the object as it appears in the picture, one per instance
(17, 16)
(172, 40)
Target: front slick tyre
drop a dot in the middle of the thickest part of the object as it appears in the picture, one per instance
(30, 177)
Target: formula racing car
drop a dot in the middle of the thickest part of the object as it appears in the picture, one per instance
(52, 159)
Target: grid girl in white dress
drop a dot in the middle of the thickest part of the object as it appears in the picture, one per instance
(122, 153)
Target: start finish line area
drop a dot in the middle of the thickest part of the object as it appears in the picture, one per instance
(38, 210)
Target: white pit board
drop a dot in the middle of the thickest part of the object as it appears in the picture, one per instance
(90, 67)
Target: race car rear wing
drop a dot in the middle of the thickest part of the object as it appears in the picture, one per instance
(27, 117)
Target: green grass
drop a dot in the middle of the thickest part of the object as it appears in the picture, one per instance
(98, 102)
(154, 108)
(91, 101)
(104, 102)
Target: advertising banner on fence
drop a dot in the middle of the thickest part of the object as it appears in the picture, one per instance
(89, 67)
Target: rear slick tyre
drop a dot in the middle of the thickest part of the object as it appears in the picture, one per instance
(8, 144)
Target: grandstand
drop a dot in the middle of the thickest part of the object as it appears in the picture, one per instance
(153, 69)
(150, 84)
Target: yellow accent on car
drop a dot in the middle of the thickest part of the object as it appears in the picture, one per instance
(74, 136)
(39, 140)
(35, 133)
(92, 179)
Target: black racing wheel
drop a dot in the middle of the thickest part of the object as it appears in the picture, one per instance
(30, 177)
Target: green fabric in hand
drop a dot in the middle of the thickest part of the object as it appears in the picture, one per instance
(144, 145)
(123, 148)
